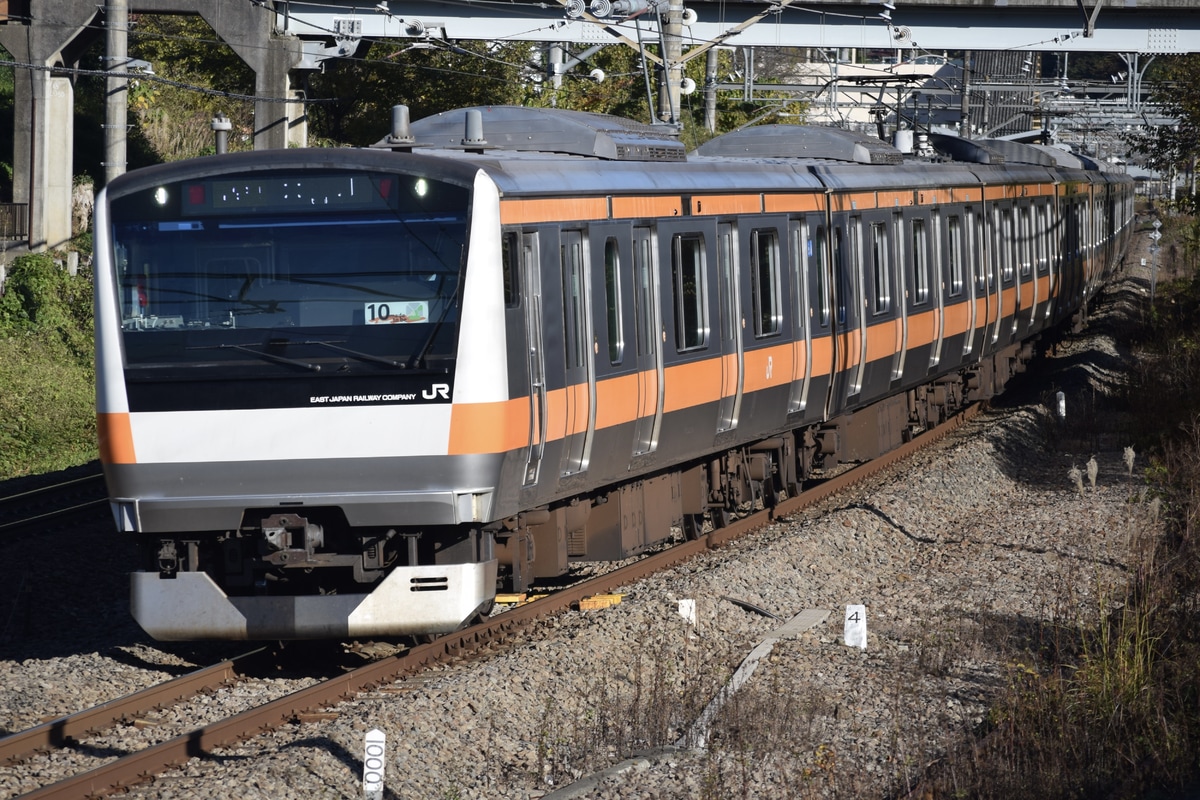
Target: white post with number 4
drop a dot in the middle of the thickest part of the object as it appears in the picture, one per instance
(374, 761)
(856, 626)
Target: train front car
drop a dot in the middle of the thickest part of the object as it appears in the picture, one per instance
(278, 339)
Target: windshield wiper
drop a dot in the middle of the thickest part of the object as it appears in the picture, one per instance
(355, 353)
(419, 356)
(249, 348)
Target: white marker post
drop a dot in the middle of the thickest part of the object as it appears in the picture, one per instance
(373, 764)
(687, 610)
(856, 626)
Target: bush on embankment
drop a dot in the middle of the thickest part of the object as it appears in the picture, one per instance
(47, 377)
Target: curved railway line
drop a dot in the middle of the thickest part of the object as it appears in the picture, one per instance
(142, 765)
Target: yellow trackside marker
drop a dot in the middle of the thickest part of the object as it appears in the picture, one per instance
(599, 601)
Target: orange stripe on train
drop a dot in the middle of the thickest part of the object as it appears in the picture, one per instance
(558, 209)
(489, 427)
(692, 384)
(115, 435)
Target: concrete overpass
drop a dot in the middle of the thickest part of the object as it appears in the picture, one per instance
(1145, 26)
(278, 38)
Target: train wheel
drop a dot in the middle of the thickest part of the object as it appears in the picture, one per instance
(721, 517)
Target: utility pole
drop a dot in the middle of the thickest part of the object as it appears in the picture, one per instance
(116, 22)
(672, 50)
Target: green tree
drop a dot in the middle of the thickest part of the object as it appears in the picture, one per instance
(1171, 148)
(359, 93)
(177, 119)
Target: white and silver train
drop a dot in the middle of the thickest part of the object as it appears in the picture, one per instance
(350, 392)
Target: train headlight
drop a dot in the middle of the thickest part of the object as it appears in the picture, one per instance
(421, 187)
(160, 195)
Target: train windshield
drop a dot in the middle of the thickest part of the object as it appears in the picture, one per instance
(348, 264)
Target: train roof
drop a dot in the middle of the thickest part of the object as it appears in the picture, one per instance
(545, 130)
(537, 151)
(801, 141)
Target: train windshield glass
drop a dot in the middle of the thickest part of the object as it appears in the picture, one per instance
(363, 262)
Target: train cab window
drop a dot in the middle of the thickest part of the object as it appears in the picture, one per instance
(573, 303)
(920, 262)
(687, 278)
(612, 298)
(764, 277)
(510, 257)
(881, 268)
(957, 264)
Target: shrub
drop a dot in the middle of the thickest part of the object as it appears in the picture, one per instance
(47, 411)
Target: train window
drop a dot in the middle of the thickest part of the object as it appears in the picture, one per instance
(764, 277)
(920, 262)
(816, 253)
(643, 296)
(1025, 240)
(572, 278)
(1007, 243)
(956, 257)
(879, 261)
(839, 274)
(612, 297)
(687, 274)
(1041, 233)
(510, 253)
(976, 252)
(728, 305)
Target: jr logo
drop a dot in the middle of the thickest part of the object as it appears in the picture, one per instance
(441, 390)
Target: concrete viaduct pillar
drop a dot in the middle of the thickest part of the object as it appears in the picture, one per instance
(56, 32)
(43, 113)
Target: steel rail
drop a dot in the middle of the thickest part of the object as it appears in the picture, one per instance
(143, 765)
(51, 487)
(62, 731)
(17, 505)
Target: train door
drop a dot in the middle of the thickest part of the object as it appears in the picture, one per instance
(1008, 294)
(989, 284)
(976, 285)
(580, 384)
(764, 289)
(612, 313)
(937, 287)
(531, 279)
(959, 308)
(647, 343)
(811, 308)
(898, 294)
(1046, 266)
(850, 331)
(729, 303)
(1027, 294)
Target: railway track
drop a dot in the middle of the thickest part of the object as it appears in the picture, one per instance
(143, 765)
(73, 494)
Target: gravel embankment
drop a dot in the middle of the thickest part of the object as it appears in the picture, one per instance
(961, 557)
